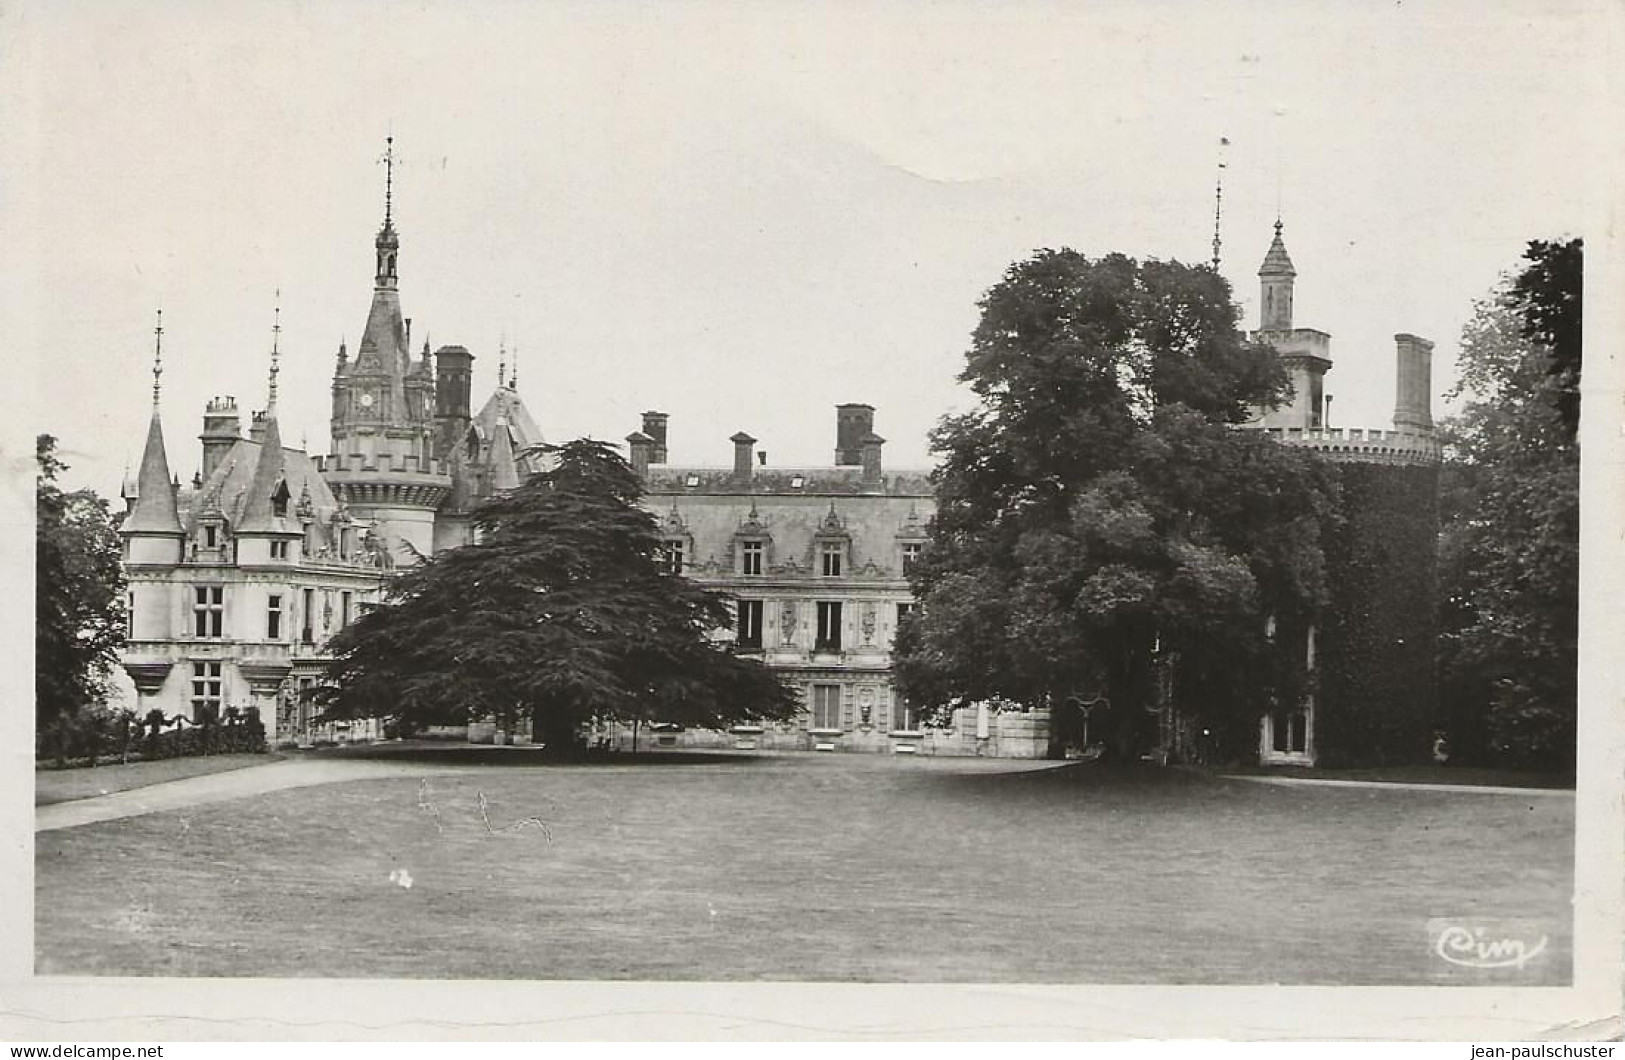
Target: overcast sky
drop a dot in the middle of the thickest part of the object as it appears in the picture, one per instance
(745, 214)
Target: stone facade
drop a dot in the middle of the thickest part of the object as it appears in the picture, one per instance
(237, 582)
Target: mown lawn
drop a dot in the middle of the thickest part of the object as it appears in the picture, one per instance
(806, 868)
(86, 782)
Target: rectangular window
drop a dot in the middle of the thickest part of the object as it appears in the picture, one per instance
(904, 610)
(1291, 732)
(749, 627)
(209, 611)
(129, 615)
(205, 689)
(750, 556)
(279, 550)
(211, 537)
(344, 609)
(672, 556)
(904, 718)
(833, 553)
(307, 615)
(826, 712)
(273, 617)
(911, 555)
(829, 627)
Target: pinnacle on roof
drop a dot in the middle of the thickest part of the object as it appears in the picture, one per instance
(1276, 261)
(155, 511)
(267, 502)
(504, 468)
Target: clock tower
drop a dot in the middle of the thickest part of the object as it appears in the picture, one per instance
(383, 464)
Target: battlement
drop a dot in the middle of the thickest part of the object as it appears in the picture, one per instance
(1371, 445)
(356, 463)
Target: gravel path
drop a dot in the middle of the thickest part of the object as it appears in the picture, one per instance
(223, 787)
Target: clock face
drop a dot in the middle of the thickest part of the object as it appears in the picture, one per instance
(366, 401)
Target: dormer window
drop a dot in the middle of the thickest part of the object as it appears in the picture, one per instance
(279, 499)
(912, 551)
(672, 555)
(752, 557)
(832, 555)
(211, 536)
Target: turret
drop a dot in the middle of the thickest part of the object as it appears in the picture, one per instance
(152, 531)
(1275, 286)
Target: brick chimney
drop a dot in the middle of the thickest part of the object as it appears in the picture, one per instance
(852, 423)
(654, 425)
(743, 446)
(641, 447)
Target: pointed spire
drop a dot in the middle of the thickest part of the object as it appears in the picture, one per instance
(268, 490)
(129, 491)
(1275, 286)
(155, 511)
(267, 501)
(388, 243)
(1277, 262)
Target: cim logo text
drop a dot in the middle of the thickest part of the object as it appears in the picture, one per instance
(1487, 943)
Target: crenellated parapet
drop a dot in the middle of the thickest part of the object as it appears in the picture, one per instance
(383, 463)
(1372, 446)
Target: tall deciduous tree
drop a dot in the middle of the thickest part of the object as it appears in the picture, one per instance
(1099, 513)
(78, 596)
(561, 612)
(1509, 560)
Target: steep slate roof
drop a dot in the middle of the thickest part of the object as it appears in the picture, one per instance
(258, 515)
(228, 487)
(155, 509)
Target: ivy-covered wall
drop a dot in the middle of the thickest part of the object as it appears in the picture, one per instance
(1378, 680)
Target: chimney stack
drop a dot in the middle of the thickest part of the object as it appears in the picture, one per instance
(743, 444)
(222, 427)
(871, 444)
(852, 424)
(1413, 390)
(654, 426)
(454, 375)
(641, 446)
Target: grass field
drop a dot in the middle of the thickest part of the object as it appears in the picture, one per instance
(847, 867)
(66, 785)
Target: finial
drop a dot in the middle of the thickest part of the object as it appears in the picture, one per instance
(276, 349)
(388, 160)
(1218, 201)
(502, 362)
(157, 356)
(513, 380)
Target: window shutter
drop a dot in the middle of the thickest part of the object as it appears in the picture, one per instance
(848, 695)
